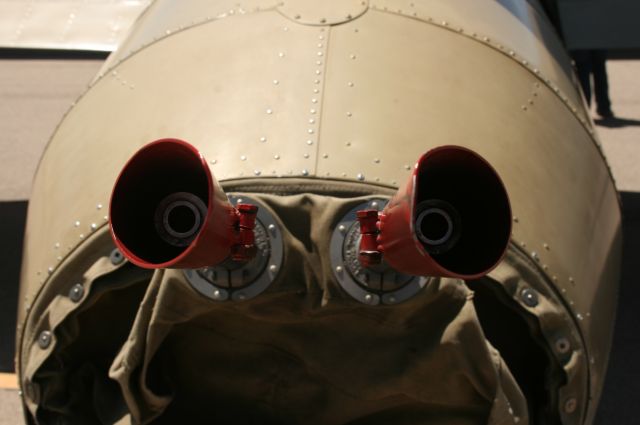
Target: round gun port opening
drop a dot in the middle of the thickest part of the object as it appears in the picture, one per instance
(437, 225)
(434, 226)
(179, 218)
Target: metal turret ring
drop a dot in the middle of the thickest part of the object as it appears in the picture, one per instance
(242, 281)
(373, 286)
(325, 12)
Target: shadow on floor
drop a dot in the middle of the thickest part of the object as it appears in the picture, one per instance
(12, 219)
(621, 394)
(616, 122)
(622, 385)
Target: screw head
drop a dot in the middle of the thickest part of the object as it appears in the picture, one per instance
(44, 339)
(563, 345)
(116, 257)
(529, 297)
(570, 405)
(76, 292)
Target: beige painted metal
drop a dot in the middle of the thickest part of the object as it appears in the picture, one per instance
(263, 96)
(67, 24)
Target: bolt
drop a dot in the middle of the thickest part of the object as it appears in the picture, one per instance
(529, 297)
(44, 340)
(116, 257)
(76, 292)
(562, 345)
(570, 405)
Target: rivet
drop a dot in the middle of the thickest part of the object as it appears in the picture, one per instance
(269, 111)
(323, 20)
(570, 405)
(276, 82)
(535, 256)
(376, 160)
(50, 270)
(318, 72)
(571, 280)
(263, 139)
(273, 267)
(242, 296)
(524, 107)
(562, 345)
(339, 269)
(318, 63)
(76, 292)
(312, 111)
(515, 219)
(272, 228)
(350, 84)
(309, 142)
(316, 91)
(44, 339)
(319, 53)
(352, 56)
(374, 204)
(311, 131)
(368, 298)
(305, 172)
(392, 299)
(276, 156)
(286, 28)
(546, 246)
(512, 53)
(93, 226)
(77, 224)
(257, 172)
(316, 81)
(349, 114)
(116, 257)
(216, 294)
(312, 121)
(243, 157)
(81, 235)
(522, 244)
(321, 37)
(325, 156)
(529, 297)
(360, 176)
(281, 54)
(57, 245)
(579, 317)
(314, 100)
(486, 39)
(445, 23)
(407, 167)
(341, 228)
(99, 206)
(297, 16)
(306, 155)
(213, 162)
(348, 143)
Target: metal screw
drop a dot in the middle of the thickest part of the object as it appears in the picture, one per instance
(273, 268)
(76, 292)
(341, 228)
(368, 298)
(562, 345)
(116, 257)
(339, 269)
(216, 294)
(570, 405)
(529, 297)
(44, 340)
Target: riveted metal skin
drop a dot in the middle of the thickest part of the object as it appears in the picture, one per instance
(399, 79)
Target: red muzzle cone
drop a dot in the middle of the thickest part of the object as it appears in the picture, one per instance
(452, 218)
(168, 210)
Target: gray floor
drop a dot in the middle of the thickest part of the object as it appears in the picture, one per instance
(36, 93)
